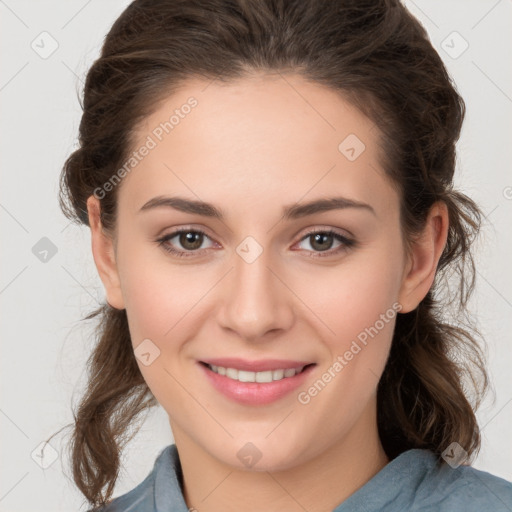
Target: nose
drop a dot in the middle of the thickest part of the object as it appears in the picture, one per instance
(255, 299)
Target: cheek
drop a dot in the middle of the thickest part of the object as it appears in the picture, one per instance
(158, 294)
(351, 297)
(358, 310)
(160, 300)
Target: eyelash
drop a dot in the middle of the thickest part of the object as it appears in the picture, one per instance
(347, 243)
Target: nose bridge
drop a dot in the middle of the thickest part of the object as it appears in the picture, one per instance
(256, 302)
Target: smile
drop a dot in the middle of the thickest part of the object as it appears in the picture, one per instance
(247, 376)
(255, 388)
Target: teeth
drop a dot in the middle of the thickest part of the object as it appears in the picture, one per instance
(245, 376)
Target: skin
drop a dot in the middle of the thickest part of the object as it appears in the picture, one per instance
(251, 147)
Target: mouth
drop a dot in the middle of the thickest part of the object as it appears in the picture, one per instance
(264, 376)
(256, 388)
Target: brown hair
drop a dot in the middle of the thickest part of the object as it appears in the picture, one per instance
(379, 57)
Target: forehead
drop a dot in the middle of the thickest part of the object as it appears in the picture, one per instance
(267, 136)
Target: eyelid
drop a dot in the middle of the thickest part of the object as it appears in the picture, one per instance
(186, 227)
(320, 228)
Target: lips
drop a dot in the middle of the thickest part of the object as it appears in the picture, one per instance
(256, 393)
(256, 366)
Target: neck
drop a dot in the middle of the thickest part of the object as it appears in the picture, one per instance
(317, 485)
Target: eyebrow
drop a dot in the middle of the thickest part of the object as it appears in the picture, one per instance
(290, 212)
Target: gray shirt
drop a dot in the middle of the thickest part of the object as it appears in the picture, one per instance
(413, 481)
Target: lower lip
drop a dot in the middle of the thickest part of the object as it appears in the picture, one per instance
(255, 393)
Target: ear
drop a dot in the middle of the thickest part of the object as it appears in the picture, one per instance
(104, 255)
(424, 256)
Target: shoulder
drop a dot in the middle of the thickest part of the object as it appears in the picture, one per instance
(418, 480)
(465, 488)
(144, 497)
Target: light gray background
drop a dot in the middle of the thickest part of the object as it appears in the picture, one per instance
(44, 344)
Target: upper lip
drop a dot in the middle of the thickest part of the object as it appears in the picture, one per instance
(255, 366)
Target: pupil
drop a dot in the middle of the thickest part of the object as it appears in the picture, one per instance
(320, 237)
(194, 239)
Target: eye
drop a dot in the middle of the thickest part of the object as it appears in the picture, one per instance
(190, 239)
(322, 241)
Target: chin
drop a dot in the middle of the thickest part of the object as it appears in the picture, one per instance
(260, 457)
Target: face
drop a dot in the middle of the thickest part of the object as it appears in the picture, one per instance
(311, 286)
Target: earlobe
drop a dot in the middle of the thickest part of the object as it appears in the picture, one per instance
(424, 257)
(104, 255)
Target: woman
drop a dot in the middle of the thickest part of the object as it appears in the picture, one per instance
(269, 190)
